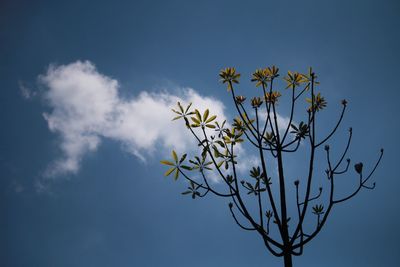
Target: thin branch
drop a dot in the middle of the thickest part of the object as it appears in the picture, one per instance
(362, 182)
(334, 129)
(238, 223)
(313, 198)
(291, 116)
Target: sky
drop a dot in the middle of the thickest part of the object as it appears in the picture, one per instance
(86, 93)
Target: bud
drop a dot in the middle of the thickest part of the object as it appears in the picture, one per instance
(240, 99)
(358, 167)
(230, 205)
(327, 147)
(256, 102)
(296, 183)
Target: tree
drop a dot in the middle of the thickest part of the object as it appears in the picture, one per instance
(219, 153)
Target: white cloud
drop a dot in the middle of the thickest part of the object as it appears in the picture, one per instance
(85, 107)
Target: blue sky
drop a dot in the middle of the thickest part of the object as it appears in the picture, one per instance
(73, 198)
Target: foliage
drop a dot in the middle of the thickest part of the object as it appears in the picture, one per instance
(219, 153)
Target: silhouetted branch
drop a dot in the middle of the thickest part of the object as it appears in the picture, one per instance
(237, 222)
(362, 182)
(334, 129)
(313, 198)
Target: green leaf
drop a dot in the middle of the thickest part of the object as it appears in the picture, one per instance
(188, 107)
(176, 174)
(182, 158)
(166, 162)
(211, 119)
(174, 155)
(206, 113)
(198, 115)
(169, 171)
(177, 118)
(177, 112)
(186, 167)
(180, 107)
(195, 120)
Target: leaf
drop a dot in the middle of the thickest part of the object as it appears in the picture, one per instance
(211, 119)
(205, 115)
(180, 107)
(198, 116)
(166, 162)
(195, 120)
(188, 107)
(210, 126)
(183, 158)
(176, 174)
(186, 167)
(168, 172)
(186, 192)
(174, 155)
(177, 118)
(177, 112)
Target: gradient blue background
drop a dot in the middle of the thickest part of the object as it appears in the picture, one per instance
(118, 211)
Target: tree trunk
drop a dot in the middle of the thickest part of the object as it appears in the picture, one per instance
(287, 257)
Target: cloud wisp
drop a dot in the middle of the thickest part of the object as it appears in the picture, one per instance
(86, 107)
